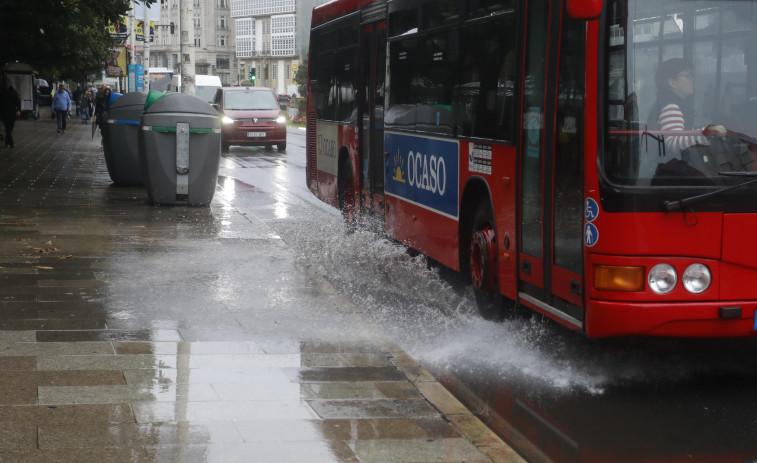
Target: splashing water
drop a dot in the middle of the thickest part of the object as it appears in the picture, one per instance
(434, 318)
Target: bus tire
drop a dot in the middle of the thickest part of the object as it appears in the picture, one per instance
(482, 264)
(347, 199)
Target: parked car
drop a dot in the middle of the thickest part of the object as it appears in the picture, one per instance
(284, 99)
(251, 116)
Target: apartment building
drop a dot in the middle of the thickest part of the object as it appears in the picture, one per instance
(265, 42)
(214, 49)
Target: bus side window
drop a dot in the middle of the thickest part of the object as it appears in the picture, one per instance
(403, 85)
(437, 77)
(485, 97)
(347, 78)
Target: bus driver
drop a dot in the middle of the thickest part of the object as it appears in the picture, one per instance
(674, 110)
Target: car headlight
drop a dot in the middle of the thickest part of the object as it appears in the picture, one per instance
(696, 278)
(227, 120)
(281, 119)
(662, 278)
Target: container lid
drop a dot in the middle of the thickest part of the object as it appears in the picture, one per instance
(177, 103)
(129, 99)
(113, 97)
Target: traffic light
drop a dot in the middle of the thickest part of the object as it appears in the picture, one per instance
(252, 75)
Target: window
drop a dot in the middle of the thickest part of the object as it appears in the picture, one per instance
(437, 77)
(437, 13)
(261, 7)
(451, 77)
(245, 38)
(403, 22)
(334, 71)
(488, 8)
(485, 97)
(403, 91)
(241, 99)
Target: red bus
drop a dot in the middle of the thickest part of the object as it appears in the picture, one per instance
(589, 159)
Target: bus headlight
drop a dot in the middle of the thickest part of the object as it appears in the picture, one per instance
(696, 278)
(281, 119)
(227, 120)
(662, 278)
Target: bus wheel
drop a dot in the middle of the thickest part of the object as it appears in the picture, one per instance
(347, 198)
(482, 264)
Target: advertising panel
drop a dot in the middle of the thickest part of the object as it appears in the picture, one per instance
(423, 171)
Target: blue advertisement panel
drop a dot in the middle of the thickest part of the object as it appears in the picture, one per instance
(140, 77)
(424, 171)
(132, 77)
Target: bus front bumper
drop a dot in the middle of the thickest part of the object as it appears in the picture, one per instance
(676, 319)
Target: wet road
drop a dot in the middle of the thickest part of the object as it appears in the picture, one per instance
(552, 394)
(138, 333)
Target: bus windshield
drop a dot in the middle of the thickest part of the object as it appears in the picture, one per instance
(681, 92)
(160, 81)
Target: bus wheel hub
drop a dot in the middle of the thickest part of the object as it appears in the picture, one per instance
(483, 255)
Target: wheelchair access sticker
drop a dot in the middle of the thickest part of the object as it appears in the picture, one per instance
(591, 210)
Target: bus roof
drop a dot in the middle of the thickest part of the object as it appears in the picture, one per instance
(336, 8)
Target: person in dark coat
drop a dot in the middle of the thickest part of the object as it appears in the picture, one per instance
(85, 106)
(101, 106)
(10, 109)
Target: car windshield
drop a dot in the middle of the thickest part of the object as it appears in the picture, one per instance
(681, 93)
(250, 99)
(206, 92)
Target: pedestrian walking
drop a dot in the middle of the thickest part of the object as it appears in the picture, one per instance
(61, 106)
(101, 104)
(85, 106)
(77, 99)
(10, 109)
(37, 97)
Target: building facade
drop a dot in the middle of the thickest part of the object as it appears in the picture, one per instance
(265, 32)
(214, 49)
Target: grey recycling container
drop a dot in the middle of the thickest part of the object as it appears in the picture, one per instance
(179, 148)
(120, 138)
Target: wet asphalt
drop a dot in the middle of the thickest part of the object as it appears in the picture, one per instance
(131, 332)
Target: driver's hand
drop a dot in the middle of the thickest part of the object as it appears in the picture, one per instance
(715, 131)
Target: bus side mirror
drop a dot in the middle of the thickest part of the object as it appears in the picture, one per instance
(584, 9)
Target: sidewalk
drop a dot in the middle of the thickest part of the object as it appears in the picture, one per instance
(136, 333)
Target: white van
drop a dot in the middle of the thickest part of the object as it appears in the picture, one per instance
(205, 86)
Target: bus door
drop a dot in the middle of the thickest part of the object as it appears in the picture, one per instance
(372, 115)
(552, 206)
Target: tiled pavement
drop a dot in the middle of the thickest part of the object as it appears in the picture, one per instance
(136, 333)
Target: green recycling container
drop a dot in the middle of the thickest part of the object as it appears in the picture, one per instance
(179, 148)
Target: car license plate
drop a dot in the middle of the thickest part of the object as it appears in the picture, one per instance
(256, 134)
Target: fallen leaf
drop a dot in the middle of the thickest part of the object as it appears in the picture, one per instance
(42, 267)
(66, 257)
